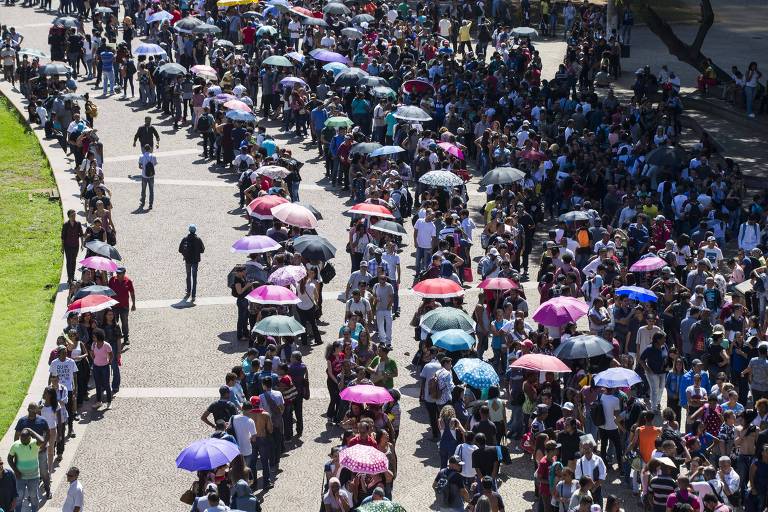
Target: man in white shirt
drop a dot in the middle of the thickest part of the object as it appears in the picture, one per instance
(65, 368)
(294, 31)
(74, 499)
(328, 41)
(592, 466)
(609, 431)
(424, 233)
(433, 407)
(749, 234)
(147, 164)
(464, 451)
(380, 112)
(444, 25)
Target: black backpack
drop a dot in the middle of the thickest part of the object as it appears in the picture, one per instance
(149, 169)
(597, 412)
(204, 123)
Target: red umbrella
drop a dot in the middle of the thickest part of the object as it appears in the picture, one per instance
(261, 207)
(498, 283)
(541, 363)
(438, 288)
(418, 86)
(91, 304)
(372, 210)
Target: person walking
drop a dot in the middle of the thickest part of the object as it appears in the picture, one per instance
(71, 241)
(147, 134)
(191, 247)
(75, 495)
(23, 459)
(126, 299)
(147, 164)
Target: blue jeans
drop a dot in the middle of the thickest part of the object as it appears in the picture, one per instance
(28, 488)
(749, 96)
(262, 450)
(147, 182)
(515, 425)
(422, 256)
(295, 192)
(191, 278)
(109, 77)
(242, 317)
(101, 378)
(115, 373)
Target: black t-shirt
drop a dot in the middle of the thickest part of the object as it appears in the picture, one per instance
(555, 413)
(570, 444)
(483, 459)
(222, 410)
(455, 484)
(487, 428)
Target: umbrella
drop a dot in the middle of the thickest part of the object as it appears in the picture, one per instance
(91, 304)
(364, 148)
(99, 263)
(315, 211)
(255, 244)
(187, 24)
(160, 16)
(583, 347)
(55, 69)
(637, 293)
(438, 288)
(417, 86)
(373, 81)
(205, 28)
(411, 113)
(103, 249)
(336, 8)
(290, 274)
(314, 247)
(366, 394)
(224, 97)
(362, 18)
(381, 506)
(327, 56)
(560, 310)
(298, 57)
(301, 11)
(206, 454)
(273, 294)
(387, 150)
(335, 67)
(261, 207)
(66, 21)
(310, 20)
(267, 30)
(575, 216)
(237, 105)
(34, 53)
(452, 149)
(617, 378)
(453, 340)
(363, 459)
(232, 3)
(502, 176)
(279, 325)
(273, 171)
(239, 115)
(383, 92)
(444, 318)
(533, 155)
(173, 69)
(70, 96)
(205, 72)
(149, 49)
(350, 77)
(223, 43)
(371, 210)
(277, 60)
(251, 14)
(294, 215)
(94, 289)
(476, 372)
(648, 264)
(498, 283)
(290, 81)
(103, 10)
(441, 179)
(524, 31)
(541, 363)
(389, 226)
(339, 122)
(667, 156)
(351, 33)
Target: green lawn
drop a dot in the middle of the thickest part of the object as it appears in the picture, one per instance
(30, 258)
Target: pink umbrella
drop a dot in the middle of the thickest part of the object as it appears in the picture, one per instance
(295, 215)
(225, 97)
(237, 105)
(438, 288)
(204, 71)
(532, 154)
(272, 171)
(648, 264)
(99, 263)
(363, 459)
(261, 207)
(498, 283)
(541, 363)
(91, 304)
(452, 149)
(288, 275)
(373, 210)
(366, 394)
(560, 310)
(255, 244)
(272, 294)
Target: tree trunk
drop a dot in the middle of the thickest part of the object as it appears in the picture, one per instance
(689, 53)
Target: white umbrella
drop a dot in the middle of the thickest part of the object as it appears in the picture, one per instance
(149, 49)
(617, 378)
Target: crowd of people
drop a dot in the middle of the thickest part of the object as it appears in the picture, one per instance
(646, 258)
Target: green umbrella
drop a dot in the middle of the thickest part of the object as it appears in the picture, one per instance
(277, 60)
(279, 325)
(339, 122)
(383, 92)
(381, 506)
(266, 30)
(444, 318)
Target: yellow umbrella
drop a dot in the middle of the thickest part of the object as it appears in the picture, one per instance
(232, 3)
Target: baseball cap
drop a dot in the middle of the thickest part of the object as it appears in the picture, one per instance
(455, 459)
(192, 228)
(567, 406)
(121, 270)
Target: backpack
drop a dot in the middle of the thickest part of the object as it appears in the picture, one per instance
(243, 165)
(149, 169)
(443, 489)
(204, 123)
(184, 247)
(406, 203)
(91, 109)
(582, 236)
(597, 412)
(433, 386)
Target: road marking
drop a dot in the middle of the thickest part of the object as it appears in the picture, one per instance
(159, 181)
(159, 154)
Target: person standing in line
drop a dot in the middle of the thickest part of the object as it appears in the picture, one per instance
(107, 58)
(75, 495)
(101, 355)
(383, 300)
(750, 86)
(8, 492)
(35, 422)
(23, 459)
(147, 164)
(126, 299)
(191, 247)
(71, 242)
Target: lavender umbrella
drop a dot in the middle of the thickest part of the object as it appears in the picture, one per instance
(255, 244)
(328, 56)
(206, 454)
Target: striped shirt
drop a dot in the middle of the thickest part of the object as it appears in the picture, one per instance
(660, 488)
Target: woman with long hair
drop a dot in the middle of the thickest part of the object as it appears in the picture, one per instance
(307, 306)
(674, 385)
(334, 358)
(50, 412)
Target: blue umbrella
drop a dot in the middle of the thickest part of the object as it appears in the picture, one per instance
(207, 454)
(476, 373)
(335, 67)
(637, 293)
(387, 150)
(453, 340)
(239, 115)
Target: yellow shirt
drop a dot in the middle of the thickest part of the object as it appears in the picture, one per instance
(464, 32)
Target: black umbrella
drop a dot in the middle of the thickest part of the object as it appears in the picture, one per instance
(206, 29)
(583, 347)
(373, 81)
(173, 69)
(350, 77)
(316, 22)
(93, 290)
(187, 24)
(667, 156)
(389, 226)
(314, 247)
(55, 69)
(364, 148)
(103, 249)
(362, 18)
(502, 176)
(66, 21)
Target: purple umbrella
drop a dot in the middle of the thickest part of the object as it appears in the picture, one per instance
(207, 454)
(290, 81)
(328, 56)
(255, 244)
(560, 310)
(288, 275)
(224, 97)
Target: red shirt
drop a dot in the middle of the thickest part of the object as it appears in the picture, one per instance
(366, 441)
(248, 34)
(122, 288)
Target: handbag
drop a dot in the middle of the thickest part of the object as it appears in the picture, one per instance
(305, 388)
(188, 497)
(328, 272)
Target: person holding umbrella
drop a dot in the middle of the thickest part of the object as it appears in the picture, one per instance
(191, 247)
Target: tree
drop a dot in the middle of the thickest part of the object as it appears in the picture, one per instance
(689, 53)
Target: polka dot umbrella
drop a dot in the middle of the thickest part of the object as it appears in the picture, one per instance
(476, 372)
(363, 459)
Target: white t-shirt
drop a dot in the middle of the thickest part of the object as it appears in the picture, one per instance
(307, 298)
(611, 404)
(328, 499)
(66, 372)
(294, 28)
(244, 428)
(445, 27)
(74, 498)
(465, 451)
(427, 373)
(425, 232)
